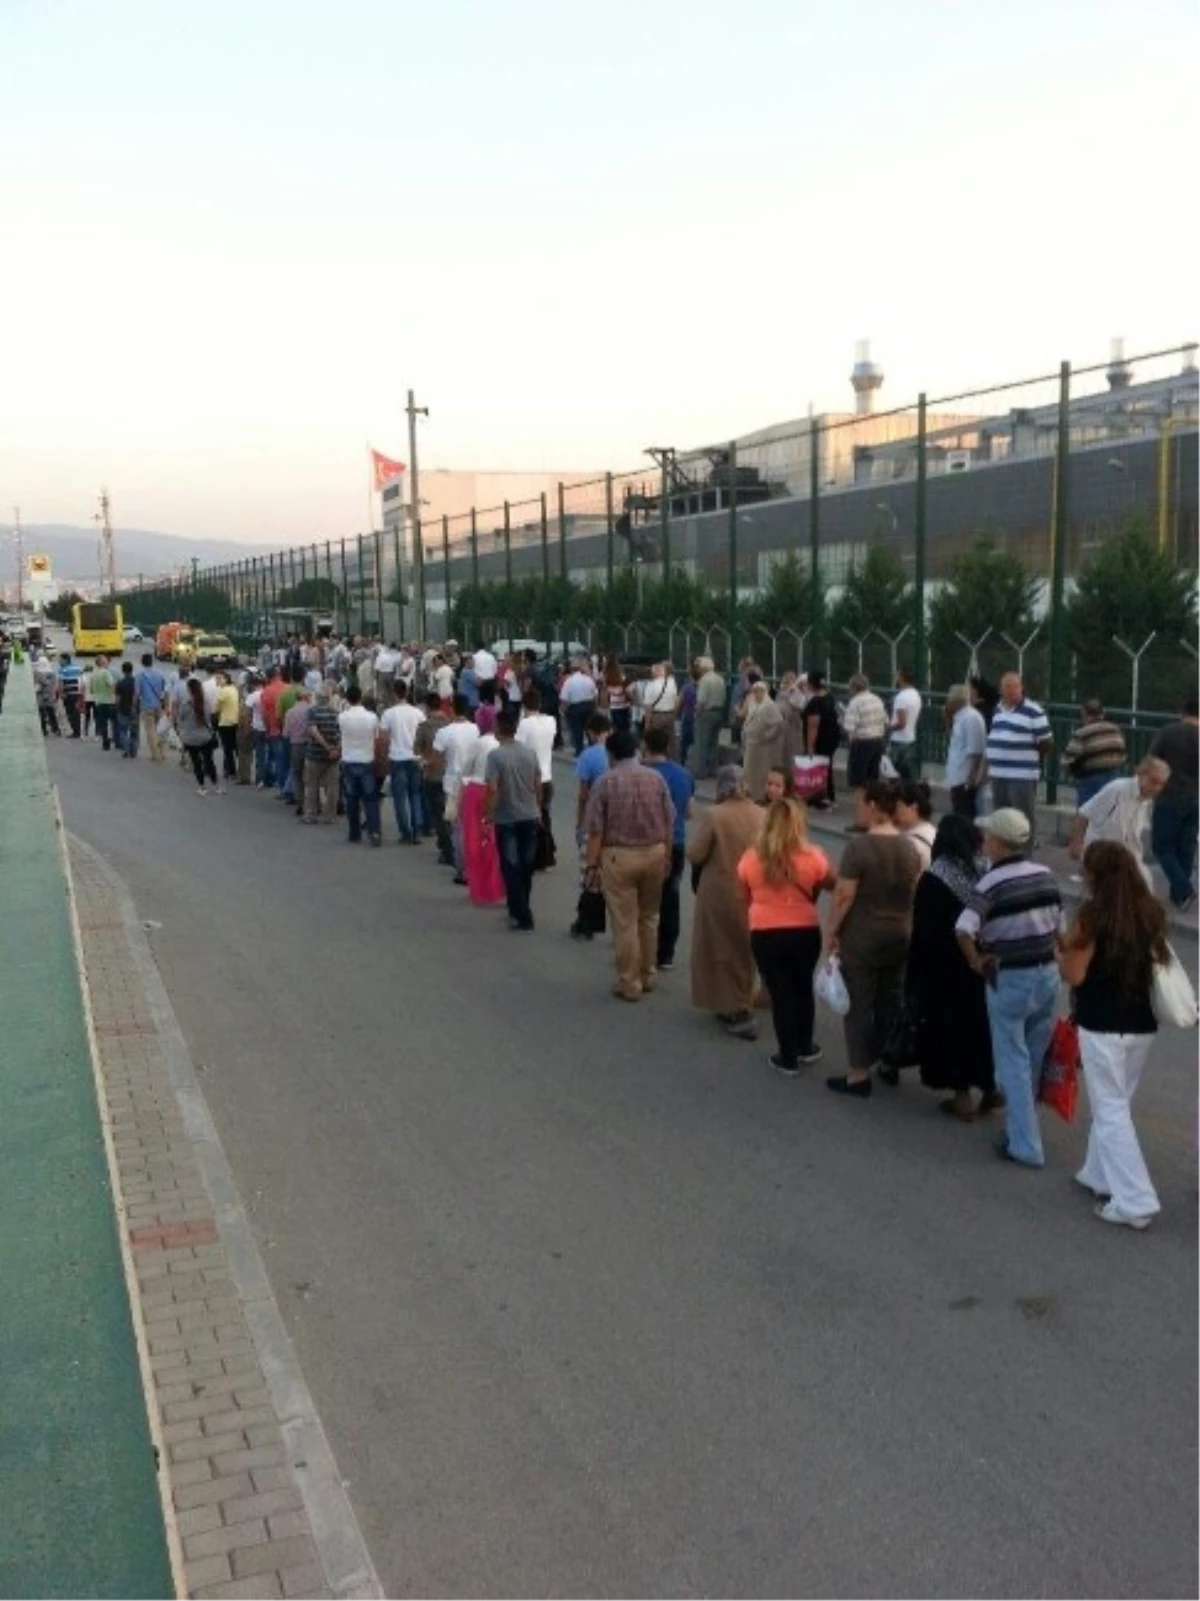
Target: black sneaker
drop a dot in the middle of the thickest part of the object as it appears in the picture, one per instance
(787, 1069)
(841, 1085)
(812, 1053)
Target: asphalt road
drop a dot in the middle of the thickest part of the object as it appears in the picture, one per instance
(594, 1304)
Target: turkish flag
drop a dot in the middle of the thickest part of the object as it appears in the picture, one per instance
(385, 469)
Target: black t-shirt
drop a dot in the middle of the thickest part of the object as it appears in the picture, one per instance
(126, 695)
(828, 732)
(1179, 746)
(1103, 1007)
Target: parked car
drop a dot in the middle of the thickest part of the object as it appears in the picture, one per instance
(213, 650)
(133, 634)
(555, 648)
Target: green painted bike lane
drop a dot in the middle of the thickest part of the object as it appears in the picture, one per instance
(80, 1512)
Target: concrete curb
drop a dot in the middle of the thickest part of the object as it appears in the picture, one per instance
(340, 1546)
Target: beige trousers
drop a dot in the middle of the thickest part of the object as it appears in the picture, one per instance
(633, 880)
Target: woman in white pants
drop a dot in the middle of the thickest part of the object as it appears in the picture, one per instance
(1108, 959)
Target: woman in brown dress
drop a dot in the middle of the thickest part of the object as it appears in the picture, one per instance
(762, 739)
(723, 979)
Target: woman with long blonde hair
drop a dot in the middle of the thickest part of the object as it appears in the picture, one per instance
(783, 876)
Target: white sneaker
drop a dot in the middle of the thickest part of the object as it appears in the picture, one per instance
(201, 791)
(1107, 1213)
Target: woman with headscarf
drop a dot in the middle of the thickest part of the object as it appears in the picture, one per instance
(722, 962)
(791, 701)
(948, 1000)
(762, 739)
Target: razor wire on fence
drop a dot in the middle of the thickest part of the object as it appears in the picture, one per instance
(1047, 525)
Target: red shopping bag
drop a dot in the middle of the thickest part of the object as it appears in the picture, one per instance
(1059, 1089)
(810, 777)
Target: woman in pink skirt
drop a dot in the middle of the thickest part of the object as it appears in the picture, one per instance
(485, 882)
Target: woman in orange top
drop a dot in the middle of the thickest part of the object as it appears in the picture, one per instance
(783, 875)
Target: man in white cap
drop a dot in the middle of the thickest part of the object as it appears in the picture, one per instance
(1007, 933)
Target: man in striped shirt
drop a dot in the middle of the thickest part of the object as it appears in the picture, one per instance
(1018, 741)
(1007, 933)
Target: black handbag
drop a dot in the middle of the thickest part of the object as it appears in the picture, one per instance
(902, 1046)
(591, 917)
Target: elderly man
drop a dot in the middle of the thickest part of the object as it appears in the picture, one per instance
(322, 755)
(1007, 933)
(630, 824)
(965, 749)
(1018, 742)
(295, 732)
(1121, 812)
(711, 698)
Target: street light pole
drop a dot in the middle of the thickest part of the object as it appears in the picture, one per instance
(414, 492)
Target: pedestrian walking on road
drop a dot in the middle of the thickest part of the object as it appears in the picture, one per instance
(196, 733)
(947, 998)
(578, 695)
(357, 728)
(152, 705)
(433, 770)
(1008, 933)
(865, 725)
(783, 876)
(1019, 740)
(228, 715)
(513, 807)
(538, 730)
(1108, 957)
(70, 675)
(1095, 753)
(401, 723)
(630, 823)
(1176, 810)
(966, 747)
(656, 745)
(45, 679)
(869, 928)
(762, 738)
(127, 712)
(712, 697)
(295, 728)
(322, 757)
(1120, 811)
(822, 732)
(722, 961)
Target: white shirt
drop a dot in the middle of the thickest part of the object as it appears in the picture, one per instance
(577, 689)
(358, 727)
(254, 701)
(209, 689)
(385, 661)
(906, 700)
(866, 717)
(660, 694)
(455, 742)
(475, 765)
(921, 836)
(512, 686)
(537, 730)
(486, 666)
(400, 723)
(313, 680)
(1118, 812)
(968, 741)
(443, 681)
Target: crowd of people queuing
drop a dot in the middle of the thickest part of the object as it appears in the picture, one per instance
(949, 936)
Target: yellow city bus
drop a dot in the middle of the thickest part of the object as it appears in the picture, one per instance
(97, 629)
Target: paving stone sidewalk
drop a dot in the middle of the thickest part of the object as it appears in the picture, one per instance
(253, 1501)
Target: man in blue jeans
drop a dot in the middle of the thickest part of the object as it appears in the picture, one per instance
(358, 728)
(1173, 826)
(400, 723)
(1007, 933)
(513, 806)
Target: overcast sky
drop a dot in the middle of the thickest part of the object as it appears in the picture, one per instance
(234, 232)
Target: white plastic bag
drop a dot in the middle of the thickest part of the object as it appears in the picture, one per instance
(163, 727)
(887, 768)
(1172, 995)
(829, 986)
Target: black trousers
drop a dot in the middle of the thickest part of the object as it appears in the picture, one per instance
(668, 909)
(228, 738)
(787, 959)
(435, 803)
(49, 719)
(963, 801)
(202, 763)
(548, 852)
(71, 707)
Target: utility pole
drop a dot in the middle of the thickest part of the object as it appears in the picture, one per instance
(414, 492)
(108, 554)
(20, 553)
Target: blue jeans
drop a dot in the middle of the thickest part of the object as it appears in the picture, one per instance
(362, 795)
(281, 755)
(127, 734)
(1173, 835)
(264, 765)
(578, 713)
(1021, 1007)
(408, 799)
(1085, 788)
(517, 844)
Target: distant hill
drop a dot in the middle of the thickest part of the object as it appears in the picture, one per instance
(72, 551)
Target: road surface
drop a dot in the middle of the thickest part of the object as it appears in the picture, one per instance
(592, 1303)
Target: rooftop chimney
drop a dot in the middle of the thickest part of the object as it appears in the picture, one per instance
(866, 378)
(1189, 358)
(1120, 373)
